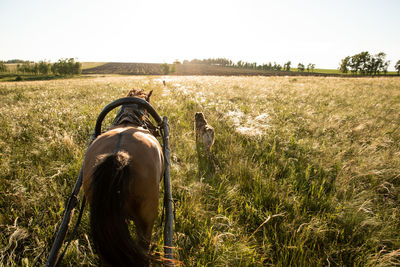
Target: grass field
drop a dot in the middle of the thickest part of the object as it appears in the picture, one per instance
(199, 69)
(336, 71)
(305, 171)
(88, 65)
(12, 67)
(328, 71)
(187, 69)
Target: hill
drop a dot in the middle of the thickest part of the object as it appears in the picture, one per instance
(126, 69)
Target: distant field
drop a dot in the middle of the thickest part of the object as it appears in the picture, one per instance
(88, 65)
(305, 171)
(189, 69)
(12, 67)
(200, 69)
(125, 68)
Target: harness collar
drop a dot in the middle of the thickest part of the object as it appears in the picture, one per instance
(132, 114)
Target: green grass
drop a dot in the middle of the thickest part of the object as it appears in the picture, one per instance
(304, 171)
(327, 71)
(85, 65)
(11, 77)
(336, 71)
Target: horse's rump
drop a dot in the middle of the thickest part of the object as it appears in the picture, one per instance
(108, 215)
(122, 171)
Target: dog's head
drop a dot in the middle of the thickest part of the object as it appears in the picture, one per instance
(199, 118)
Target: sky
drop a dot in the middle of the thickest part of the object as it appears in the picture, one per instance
(158, 31)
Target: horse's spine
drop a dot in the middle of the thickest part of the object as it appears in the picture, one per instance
(109, 228)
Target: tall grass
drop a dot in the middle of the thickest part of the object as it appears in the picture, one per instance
(304, 171)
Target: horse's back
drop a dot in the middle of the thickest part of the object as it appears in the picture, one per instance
(146, 162)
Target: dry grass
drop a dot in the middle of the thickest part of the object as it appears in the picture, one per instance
(304, 171)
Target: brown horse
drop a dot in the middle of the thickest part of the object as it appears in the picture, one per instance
(122, 171)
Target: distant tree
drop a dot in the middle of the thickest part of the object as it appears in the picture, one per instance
(172, 69)
(78, 68)
(60, 67)
(19, 68)
(385, 67)
(365, 63)
(177, 62)
(310, 67)
(364, 59)
(3, 67)
(379, 64)
(65, 67)
(239, 64)
(165, 68)
(286, 66)
(70, 66)
(35, 68)
(18, 61)
(276, 67)
(300, 67)
(209, 61)
(359, 62)
(397, 67)
(26, 67)
(355, 63)
(221, 62)
(53, 68)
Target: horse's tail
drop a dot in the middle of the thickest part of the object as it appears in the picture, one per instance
(108, 216)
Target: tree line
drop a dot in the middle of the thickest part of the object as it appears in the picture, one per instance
(251, 65)
(14, 61)
(211, 61)
(62, 67)
(366, 64)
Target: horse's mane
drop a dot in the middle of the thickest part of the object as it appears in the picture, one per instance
(137, 118)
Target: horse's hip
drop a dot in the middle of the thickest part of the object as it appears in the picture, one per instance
(146, 161)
